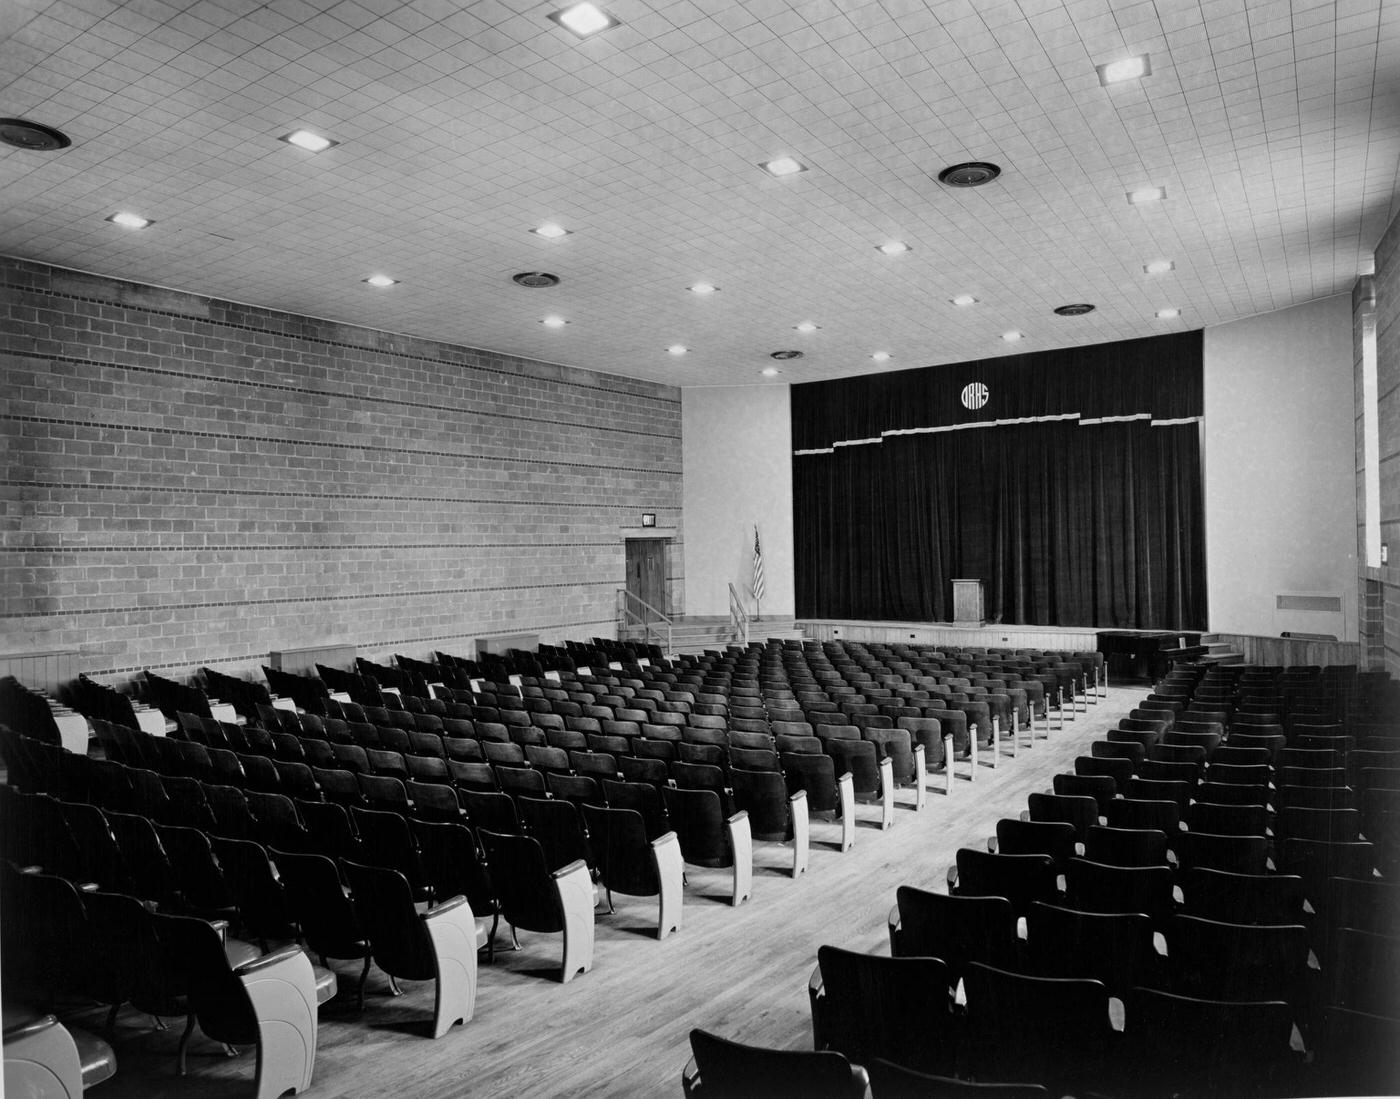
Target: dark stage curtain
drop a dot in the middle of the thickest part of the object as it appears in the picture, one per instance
(1066, 523)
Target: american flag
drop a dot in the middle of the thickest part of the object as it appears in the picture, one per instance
(757, 568)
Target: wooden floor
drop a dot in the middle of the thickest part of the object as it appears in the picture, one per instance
(622, 1028)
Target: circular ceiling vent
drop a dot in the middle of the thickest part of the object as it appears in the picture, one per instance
(1078, 309)
(783, 356)
(535, 279)
(23, 134)
(972, 174)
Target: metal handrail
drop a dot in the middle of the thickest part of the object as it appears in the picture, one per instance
(738, 617)
(635, 611)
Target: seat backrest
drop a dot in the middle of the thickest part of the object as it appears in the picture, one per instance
(1040, 1027)
(956, 929)
(1226, 820)
(383, 903)
(763, 795)
(1206, 1047)
(558, 827)
(867, 999)
(860, 760)
(640, 797)
(1026, 837)
(622, 850)
(1115, 948)
(386, 841)
(1079, 811)
(262, 902)
(314, 892)
(527, 893)
(1126, 846)
(697, 818)
(1097, 887)
(1255, 898)
(1165, 816)
(192, 963)
(816, 774)
(1217, 960)
(1021, 879)
(490, 809)
(1120, 770)
(731, 1069)
(1244, 854)
(1101, 788)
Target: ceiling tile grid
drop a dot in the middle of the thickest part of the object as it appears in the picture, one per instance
(1271, 126)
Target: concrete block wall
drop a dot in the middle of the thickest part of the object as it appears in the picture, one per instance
(1387, 288)
(190, 481)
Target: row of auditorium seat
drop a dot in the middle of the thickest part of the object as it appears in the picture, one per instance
(1204, 946)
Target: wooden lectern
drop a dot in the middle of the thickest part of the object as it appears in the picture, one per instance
(967, 602)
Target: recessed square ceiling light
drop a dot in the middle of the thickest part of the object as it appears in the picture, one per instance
(305, 139)
(783, 166)
(770, 371)
(550, 231)
(881, 356)
(893, 247)
(1168, 314)
(583, 19)
(130, 221)
(1159, 267)
(1128, 68)
(554, 322)
(806, 326)
(702, 288)
(381, 281)
(1146, 194)
(678, 349)
(963, 299)
(1011, 337)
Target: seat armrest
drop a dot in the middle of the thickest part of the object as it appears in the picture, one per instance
(895, 926)
(446, 906)
(952, 878)
(815, 986)
(991, 845)
(265, 961)
(690, 1078)
(28, 1024)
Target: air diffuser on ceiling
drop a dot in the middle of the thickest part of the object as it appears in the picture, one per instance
(972, 174)
(35, 136)
(535, 279)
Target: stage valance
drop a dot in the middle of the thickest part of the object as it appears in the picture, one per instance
(1155, 380)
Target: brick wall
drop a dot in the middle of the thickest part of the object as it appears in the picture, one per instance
(190, 481)
(1387, 286)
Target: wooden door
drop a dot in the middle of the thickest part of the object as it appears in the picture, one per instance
(646, 571)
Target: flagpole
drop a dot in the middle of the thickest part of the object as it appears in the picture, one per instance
(757, 583)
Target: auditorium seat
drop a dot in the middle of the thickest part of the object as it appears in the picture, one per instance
(724, 1069)
(956, 929)
(861, 1005)
(438, 945)
(1113, 948)
(1206, 1047)
(534, 899)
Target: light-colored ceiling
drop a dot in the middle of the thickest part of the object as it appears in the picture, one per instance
(1273, 126)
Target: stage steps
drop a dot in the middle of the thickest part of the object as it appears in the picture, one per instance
(1220, 652)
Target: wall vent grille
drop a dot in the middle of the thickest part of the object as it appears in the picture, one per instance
(1324, 604)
